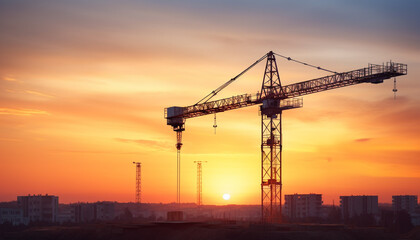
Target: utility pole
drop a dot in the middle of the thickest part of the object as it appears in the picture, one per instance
(199, 182)
(138, 182)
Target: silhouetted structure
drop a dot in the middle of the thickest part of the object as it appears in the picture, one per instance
(356, 206)
(175, 216)
(85, 212)
(91, 212)
(66, 214)
(138, 182)
(13, 216)
(39, 208)
(199, 182)
(404, 202)
(303, 206)
(274, 99)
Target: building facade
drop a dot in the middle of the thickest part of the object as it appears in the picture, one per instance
(39, 208)
(299, 206)
(13, 216)
(404, 202)
(84, 212)
(105, 211)
(352, 206)
(91, 212)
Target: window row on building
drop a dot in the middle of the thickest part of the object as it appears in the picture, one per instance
(44, 208)
(299, 206)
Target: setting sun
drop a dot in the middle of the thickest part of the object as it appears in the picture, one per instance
(226, 196)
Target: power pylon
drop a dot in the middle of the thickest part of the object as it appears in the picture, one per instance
(138, 182)
(199, 182)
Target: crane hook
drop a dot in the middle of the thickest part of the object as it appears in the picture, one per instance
(395, 88)
(215, 125)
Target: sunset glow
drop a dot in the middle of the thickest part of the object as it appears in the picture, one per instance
(83, 88)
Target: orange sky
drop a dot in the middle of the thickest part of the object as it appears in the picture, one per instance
(83, 87)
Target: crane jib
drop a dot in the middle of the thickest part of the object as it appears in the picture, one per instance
(372, 74)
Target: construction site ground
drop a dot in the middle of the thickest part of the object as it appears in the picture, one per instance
(206, 231)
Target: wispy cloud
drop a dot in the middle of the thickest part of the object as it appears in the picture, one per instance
(21, 112)
(95, 152)
(9, 78)
(38, 93)
(9, 140)
(363, 139)
(146, 143)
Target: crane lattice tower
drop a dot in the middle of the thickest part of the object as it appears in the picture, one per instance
(199, 182)
(138, 182)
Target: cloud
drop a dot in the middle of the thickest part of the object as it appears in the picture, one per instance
(21, 112)
(38, 93)
(146, 143)
(107, 32)
(363, 139)
(95, 152)
(9, 140)
(9, 78)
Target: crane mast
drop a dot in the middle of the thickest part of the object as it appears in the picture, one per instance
(273, 99)
(200, 182)
(138, 182)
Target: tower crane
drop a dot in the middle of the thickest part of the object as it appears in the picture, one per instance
(273, 99)
(200, 182)
(138, 182)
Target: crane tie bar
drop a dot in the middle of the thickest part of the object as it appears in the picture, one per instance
(217, 90)
(306, 64)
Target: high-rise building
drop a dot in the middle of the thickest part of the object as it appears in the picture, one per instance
(39, 208)
(352, 206)
(404, 202)
(303, 205)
